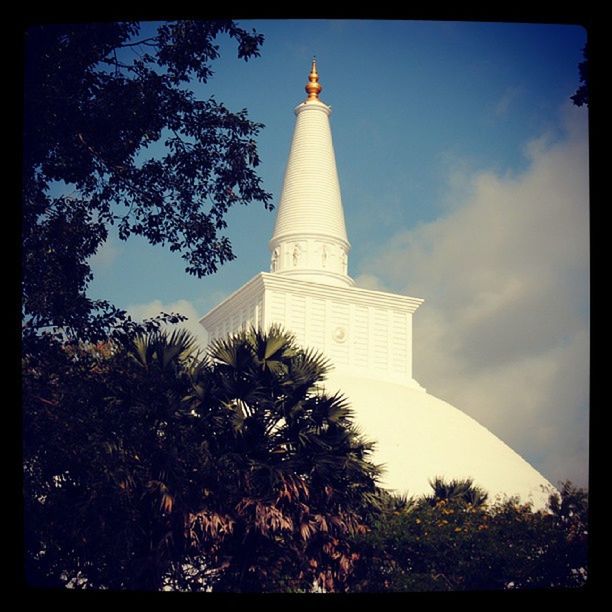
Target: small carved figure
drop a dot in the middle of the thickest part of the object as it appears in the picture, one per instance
(274, 264)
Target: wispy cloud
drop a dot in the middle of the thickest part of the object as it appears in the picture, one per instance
(183, 307)
(504, 331)
(106, 255)
(509, 96)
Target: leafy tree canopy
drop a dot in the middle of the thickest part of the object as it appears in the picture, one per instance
(113, 136)
(149, 465)
(453, 540)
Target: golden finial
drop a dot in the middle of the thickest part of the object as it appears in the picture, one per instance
(313, 87)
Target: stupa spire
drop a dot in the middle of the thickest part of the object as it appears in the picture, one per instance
(309, 241)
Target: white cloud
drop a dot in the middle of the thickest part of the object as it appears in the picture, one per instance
(183, 307)
(503, 333)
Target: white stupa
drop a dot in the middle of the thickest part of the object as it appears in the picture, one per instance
(366, 334)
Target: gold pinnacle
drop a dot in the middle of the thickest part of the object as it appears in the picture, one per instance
(313, 87)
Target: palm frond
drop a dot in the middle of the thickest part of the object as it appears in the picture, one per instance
(162, 347)
(337, 408)
(139, 350)
(276, 344)
(308, 367)
(232, 351)
(184, 340)
(456, 489)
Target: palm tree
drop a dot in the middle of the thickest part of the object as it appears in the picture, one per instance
(456, 489)
(300, 475)
(152, 465)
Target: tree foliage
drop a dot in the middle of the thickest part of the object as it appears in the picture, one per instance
(457, 542)
(115, 136)
(582, 95)
(149, 465)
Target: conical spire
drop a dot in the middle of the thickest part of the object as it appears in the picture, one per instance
(309, 241)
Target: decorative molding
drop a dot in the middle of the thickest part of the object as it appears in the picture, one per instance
(295, 236)
(349, 295)
(313, 105)
(339, 334)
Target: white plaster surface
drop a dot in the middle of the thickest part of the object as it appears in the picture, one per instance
(369, 332)
(420, 437)
(309, 241)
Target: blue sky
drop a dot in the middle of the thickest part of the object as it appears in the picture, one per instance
(462, 165)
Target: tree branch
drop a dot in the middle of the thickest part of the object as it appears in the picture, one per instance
(144, 41)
